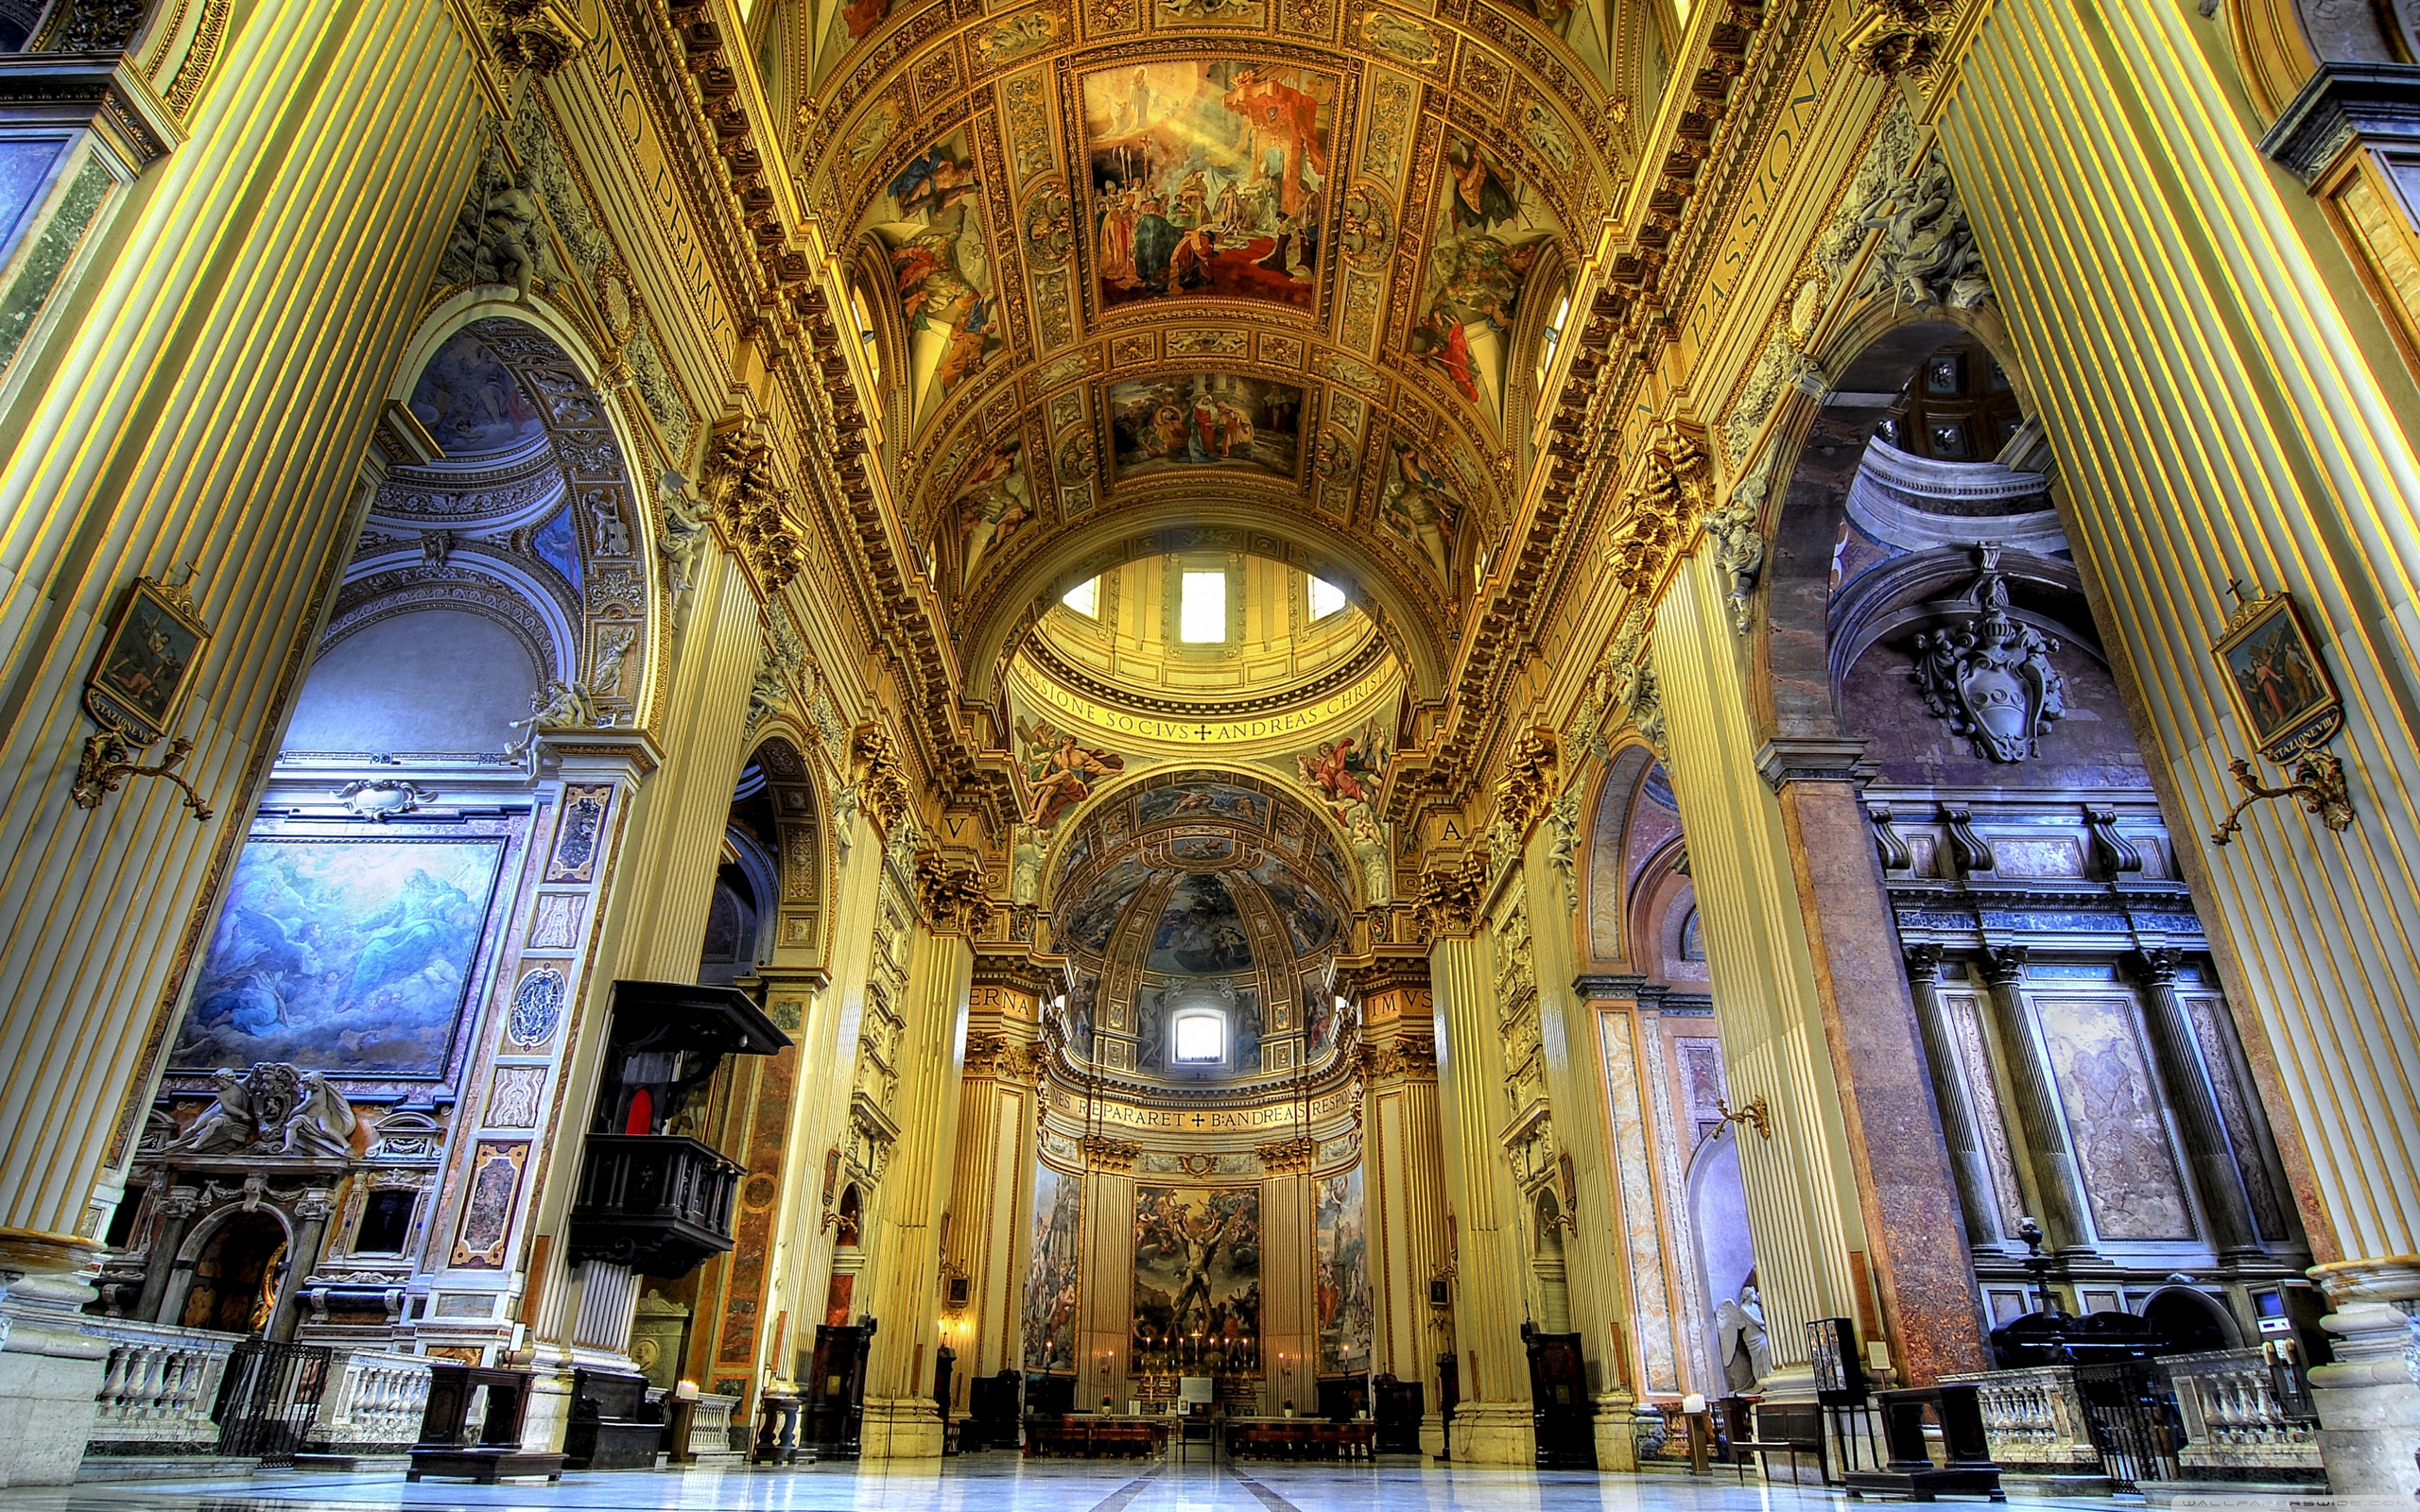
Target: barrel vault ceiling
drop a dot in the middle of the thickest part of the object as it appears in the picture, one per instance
(1243, 275)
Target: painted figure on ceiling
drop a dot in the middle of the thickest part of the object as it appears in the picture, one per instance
(1062, 772)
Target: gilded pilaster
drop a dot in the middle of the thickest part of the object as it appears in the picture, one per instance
(1802, 1209)
(1486, 1258)
(2224, 425)
(903, 1220)
(169, 401)
(1596, 1264)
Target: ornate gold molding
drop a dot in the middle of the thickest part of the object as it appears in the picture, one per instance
(1448, 900)
(754, 507)
(874, 769)
(1526, 787)
(1102, 1153)
(538, 35)
(952, 897)
(1293, 1157)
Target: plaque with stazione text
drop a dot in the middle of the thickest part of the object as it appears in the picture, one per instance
(146, 668)
(2281, 688)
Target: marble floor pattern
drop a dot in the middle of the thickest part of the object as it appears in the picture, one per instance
(1003, 1483)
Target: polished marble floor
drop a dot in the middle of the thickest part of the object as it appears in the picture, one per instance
(1003, 1483)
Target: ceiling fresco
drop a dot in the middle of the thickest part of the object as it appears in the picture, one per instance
(1205, 885)
(1270, 263)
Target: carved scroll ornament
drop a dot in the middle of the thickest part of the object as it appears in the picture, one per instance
(1989, 678)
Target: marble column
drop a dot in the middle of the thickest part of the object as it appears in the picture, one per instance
(312, 1212)
(902, 1239)
(2193, 334)
(1806, 1216)
(174, 1215)
(991, 1171)
(2057, 1181)
(1916, 1231)
(201, 321)
(2218, 1179)
(2369, 1396)
(1966, 1157)
(1493, 1425)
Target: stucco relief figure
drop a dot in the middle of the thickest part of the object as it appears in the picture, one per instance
(225, 1126)
(561, 706)
(1370, 850)
(500, 236)
(322, 1122)
(1025, 867)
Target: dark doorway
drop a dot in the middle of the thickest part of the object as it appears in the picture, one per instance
(235, 1275)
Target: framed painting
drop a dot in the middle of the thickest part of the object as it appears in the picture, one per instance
(145, 667)
(2281, 689)
(343, 956)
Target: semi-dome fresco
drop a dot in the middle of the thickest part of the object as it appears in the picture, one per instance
(1217, 893)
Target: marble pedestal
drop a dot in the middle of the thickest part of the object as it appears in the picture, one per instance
(1432, 1435)
(1495, 1433)
(2369, 1398)
(900, 1428)
(1616, 1440)
(50, 1368)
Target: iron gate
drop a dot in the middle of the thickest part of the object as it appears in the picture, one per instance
(2132, 1417)
(269, 1397)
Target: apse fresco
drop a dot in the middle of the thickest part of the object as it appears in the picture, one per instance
(1208, 178)
(1200, 931)
(1206, 419)
(1340, 1276)
(1491, 228)
(1203, 800)
(1051, 1272)
(1197, 1270)
(1309, 921)
(471, 404)
(1088, 924)
(342, 955)
(930, 222)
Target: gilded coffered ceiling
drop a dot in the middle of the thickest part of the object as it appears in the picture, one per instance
(1258, 275)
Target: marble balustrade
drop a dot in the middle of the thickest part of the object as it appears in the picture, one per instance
(2034, 1421)
(158, 1388)
(2234, 1420)
(370, 1403)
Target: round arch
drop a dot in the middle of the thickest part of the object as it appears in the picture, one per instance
(1180, 523)
(647, 605)
(1076, 820)
(803, 853)
(1817, 451)
(1616, 803)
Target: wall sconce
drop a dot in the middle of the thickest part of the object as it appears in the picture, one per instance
(1753, 1111)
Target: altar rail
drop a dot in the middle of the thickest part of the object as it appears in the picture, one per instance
(2228, 1422)
(369, 1403)
(158, 1389)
